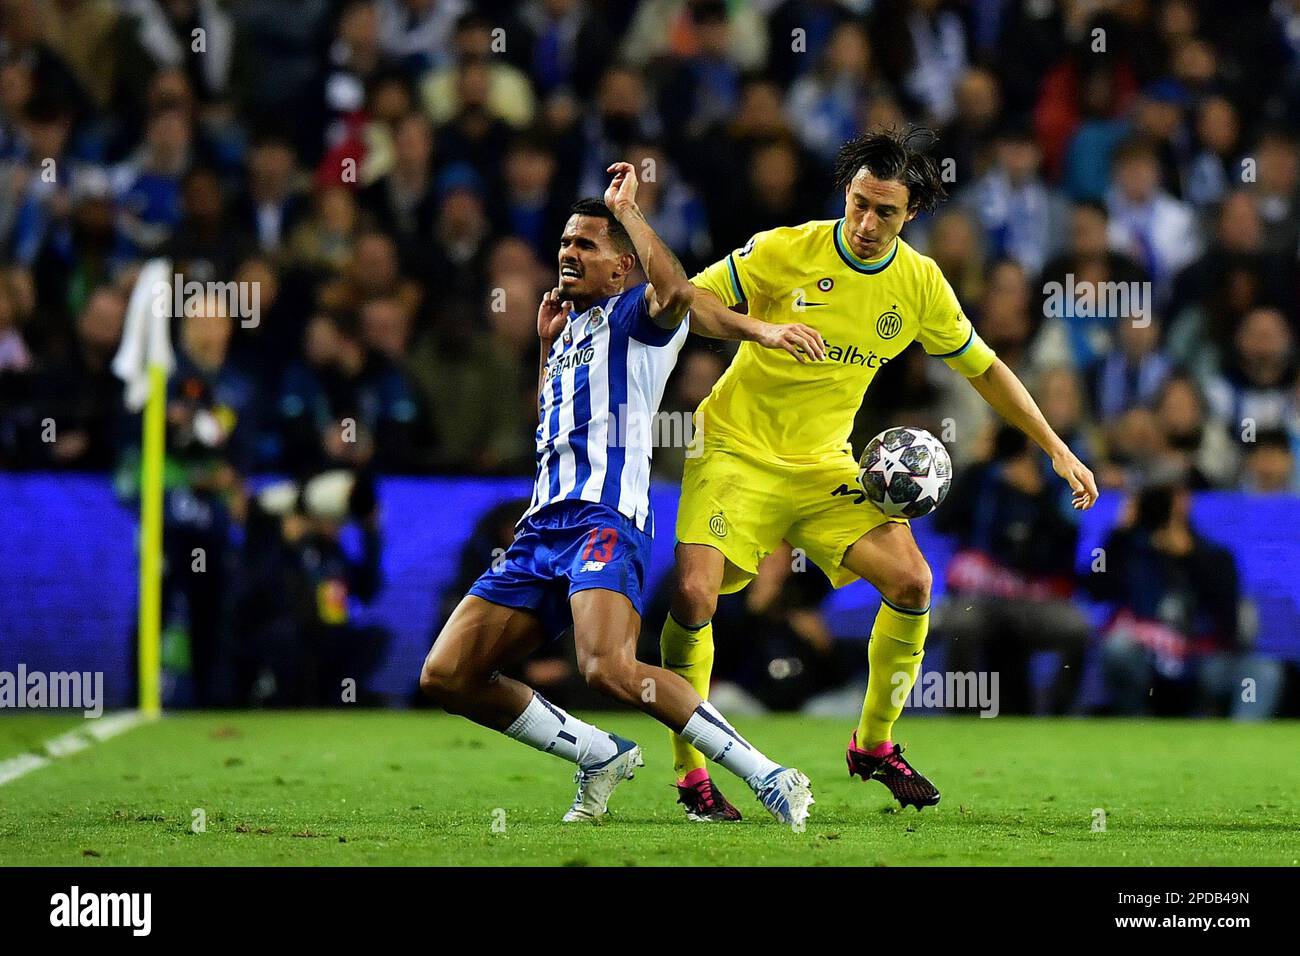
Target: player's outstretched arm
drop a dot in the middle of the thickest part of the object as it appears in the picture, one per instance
(670, 293)
(1007, 395)
(711, 318)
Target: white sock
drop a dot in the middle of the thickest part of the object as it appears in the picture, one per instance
(549, 729)
(709, 733)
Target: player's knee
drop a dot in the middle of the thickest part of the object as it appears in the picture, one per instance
(435, 682)
(694, 602)
(443, 684)
(611, 676)
(911, 585)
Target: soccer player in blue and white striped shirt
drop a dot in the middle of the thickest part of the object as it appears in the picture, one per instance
(581, 550)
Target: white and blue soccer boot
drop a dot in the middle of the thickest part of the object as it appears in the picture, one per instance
(596, 784)
(787, 794)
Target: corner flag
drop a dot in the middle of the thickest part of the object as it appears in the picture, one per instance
(144, 360)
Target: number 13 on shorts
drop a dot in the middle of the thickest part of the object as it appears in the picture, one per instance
(600, 544)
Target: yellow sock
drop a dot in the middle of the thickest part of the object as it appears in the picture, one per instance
(895, 654)
(688, 653)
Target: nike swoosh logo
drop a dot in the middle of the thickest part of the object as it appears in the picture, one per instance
(801, 304)
(916, 653)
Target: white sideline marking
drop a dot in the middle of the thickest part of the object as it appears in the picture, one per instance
(68, 743)
(15, 767)
(106, 727)
(71, 742)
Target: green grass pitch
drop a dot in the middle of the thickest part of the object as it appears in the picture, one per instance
(371, 787)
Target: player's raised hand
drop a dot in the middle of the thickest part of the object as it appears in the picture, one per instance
(551, 315)
(802, 341)
(621, 193)
(1067, 465)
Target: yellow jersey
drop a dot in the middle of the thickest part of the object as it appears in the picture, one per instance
(775, 407)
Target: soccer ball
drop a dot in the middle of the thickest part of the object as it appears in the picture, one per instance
(905, 471)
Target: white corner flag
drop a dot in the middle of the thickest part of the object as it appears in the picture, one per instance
(146, 334)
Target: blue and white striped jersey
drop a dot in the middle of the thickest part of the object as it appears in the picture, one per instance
(600, 394)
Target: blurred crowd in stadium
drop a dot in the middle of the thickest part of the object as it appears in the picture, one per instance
(392, 175)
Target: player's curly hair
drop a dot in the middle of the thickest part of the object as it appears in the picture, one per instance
(893, 154)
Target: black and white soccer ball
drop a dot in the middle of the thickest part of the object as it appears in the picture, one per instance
(905, 471)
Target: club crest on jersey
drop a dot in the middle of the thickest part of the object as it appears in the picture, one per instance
(889, 324)
(597, 317)
(568, 335)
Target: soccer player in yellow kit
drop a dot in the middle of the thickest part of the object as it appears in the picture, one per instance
(776, 460)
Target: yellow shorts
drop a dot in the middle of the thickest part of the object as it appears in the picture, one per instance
(745, 507)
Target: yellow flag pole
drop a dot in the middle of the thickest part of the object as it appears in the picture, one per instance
(151, 521)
